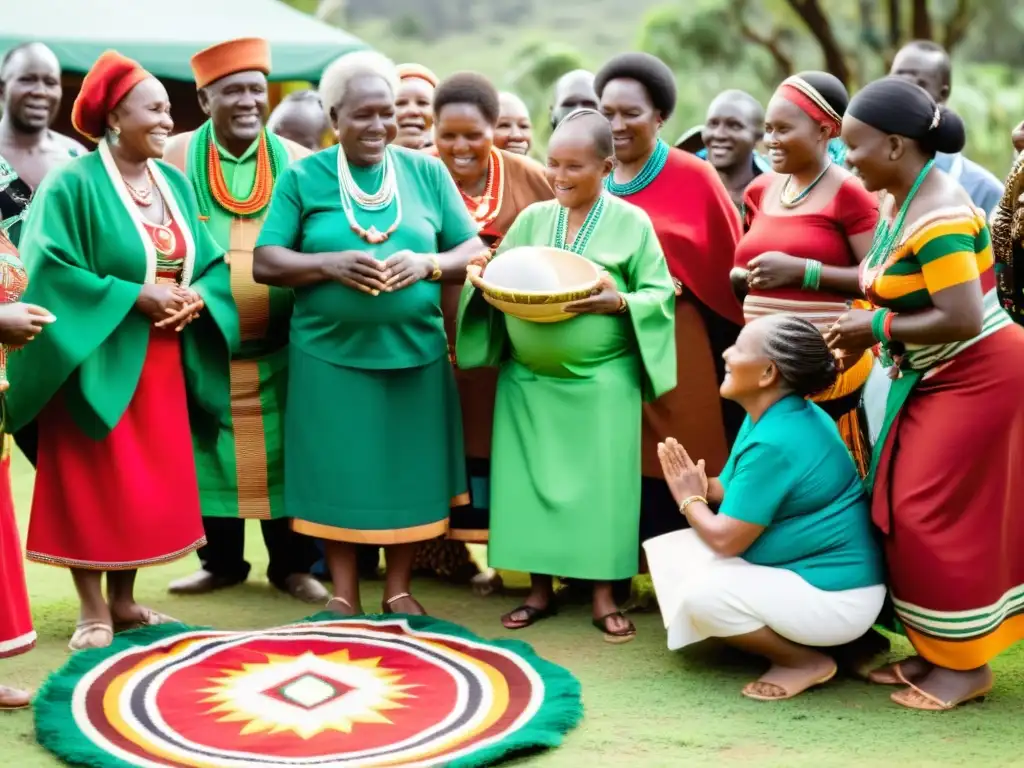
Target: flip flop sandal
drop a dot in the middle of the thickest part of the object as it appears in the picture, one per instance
(151, 618)
(533, 615)
(913, 697)
(890, 674)
(386, 605)
(87, 629)
(751, 693)
(619, 636)
(12, 699)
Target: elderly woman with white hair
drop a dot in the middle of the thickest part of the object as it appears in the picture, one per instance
(365, 233)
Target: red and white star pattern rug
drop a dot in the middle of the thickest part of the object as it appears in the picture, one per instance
(366, 691)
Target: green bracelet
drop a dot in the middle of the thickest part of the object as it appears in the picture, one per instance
(878, 324)
(812, 275)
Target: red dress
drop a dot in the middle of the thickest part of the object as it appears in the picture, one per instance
(16, 634)
(130, 499)
(823, 235)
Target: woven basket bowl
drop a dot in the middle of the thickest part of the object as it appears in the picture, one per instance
(536, 283)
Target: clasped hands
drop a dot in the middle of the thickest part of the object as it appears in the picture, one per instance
(169, 305)
(360, 271)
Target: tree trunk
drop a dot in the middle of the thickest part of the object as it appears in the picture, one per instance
(921, 21)
(821, 28)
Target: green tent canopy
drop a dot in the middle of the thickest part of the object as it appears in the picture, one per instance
(163, 34)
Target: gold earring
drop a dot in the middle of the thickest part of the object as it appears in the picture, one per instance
(117, 131)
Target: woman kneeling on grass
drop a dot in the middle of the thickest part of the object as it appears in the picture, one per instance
(788, 566)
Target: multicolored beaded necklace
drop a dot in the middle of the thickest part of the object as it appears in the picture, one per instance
(788, 200)
(586, 231)
(885, 240)
(654, 165)
(485, 209)
(208, 175)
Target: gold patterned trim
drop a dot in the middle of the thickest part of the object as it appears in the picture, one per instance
(459, 500)
(250, 441)
(812, 93)
(383, 538)
(89, 565)
(251, 298)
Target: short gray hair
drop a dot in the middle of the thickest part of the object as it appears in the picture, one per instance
(339, 74)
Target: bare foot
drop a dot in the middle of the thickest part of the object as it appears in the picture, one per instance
(786, 682)
(14, 698)
(127, 616)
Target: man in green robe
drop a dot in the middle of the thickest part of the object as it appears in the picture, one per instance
(233, 162)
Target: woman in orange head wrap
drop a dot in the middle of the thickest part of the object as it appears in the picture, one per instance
(114, 248)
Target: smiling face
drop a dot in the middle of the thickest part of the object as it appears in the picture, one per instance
(514, 131)
(748, 372)
(31, 91)
(464, 139)
(635, 121)
(365, 120)
(794, 141)
(414, 105)
(142, 120)
(575, 169)
(731, 131)
(237, 105)
(871, 155)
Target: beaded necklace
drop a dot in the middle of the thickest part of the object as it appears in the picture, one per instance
(485, 209)
(654, 165)
(882, 245)
(786, 200)
(207, 174)
(586, 231)
(369, 201)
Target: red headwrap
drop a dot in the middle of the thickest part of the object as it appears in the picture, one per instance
(806, 96)
(104, 86)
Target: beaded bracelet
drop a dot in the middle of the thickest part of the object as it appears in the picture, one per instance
(878, 321)
(812, 275)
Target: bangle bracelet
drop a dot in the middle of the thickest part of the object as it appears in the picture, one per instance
(623, 306)
(887, 325)
(878, 324)
(436, 272)
(812, 275)
(691, 500)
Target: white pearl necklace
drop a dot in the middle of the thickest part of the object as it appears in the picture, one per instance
(375, 201)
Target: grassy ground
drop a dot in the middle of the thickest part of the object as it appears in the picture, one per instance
(644, 706)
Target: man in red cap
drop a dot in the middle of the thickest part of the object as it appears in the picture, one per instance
(233, 163)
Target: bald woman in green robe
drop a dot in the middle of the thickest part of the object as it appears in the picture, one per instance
(565, 477)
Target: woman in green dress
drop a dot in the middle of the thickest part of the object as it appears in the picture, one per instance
(365, 233)
(565, 493)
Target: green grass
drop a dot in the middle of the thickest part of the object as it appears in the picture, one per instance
(644, 705)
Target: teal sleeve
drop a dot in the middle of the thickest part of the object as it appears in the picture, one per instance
(457, 226)
(283, 225)
(761, 479)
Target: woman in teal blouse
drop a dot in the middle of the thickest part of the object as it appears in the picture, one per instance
(788, 566)
(365, 233)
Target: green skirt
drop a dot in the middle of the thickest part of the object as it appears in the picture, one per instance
(372, 456)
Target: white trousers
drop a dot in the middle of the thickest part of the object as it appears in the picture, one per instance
(702, 595)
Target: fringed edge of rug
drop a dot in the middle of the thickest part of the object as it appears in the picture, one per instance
(57, 731)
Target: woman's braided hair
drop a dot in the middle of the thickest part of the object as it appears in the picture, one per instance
(806, 365)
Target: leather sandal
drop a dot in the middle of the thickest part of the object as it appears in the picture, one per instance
(91, 634)
(750, 690)
(386, 605)
(533, 615)
(336, 601)
(913, 697)
(618, 636)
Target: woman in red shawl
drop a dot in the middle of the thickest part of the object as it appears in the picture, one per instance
(698, 226)
(19, 324)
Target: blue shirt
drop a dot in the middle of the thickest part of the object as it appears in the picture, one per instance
(983, 187)
(792, 473)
